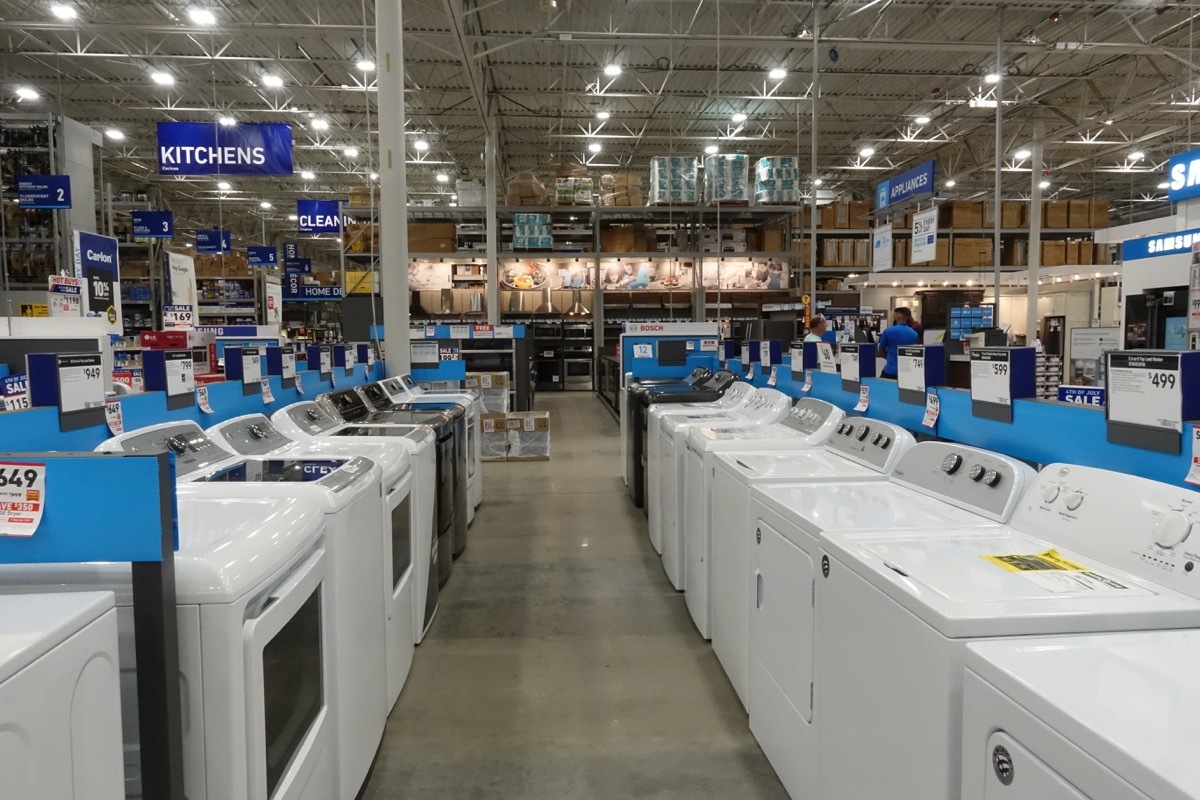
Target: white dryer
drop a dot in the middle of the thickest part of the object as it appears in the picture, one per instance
(735, 397)
(766, 407)
(60, 707)
(809, 424)
(1087, 551)
(860, 450)
(347, 490)
(254, 435)
(788, 713)
(252, 603)
(1114, 715)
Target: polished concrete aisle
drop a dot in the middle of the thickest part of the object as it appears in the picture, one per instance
(562, 664)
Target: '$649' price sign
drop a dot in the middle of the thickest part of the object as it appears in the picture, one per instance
(22, 498)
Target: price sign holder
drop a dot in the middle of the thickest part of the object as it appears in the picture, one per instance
(770, 354)
(281, 361)
(244, 365)
(1000, 375)
(172, 372)
(342, 359)
(178, 316)
(366, 353)
(320, 358)
(922, 367)
(1149, 395)
(746, 356)
(731, 349)
(797, 365)
(74, 382)
(858, 362)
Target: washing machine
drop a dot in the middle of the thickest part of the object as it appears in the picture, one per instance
(448, 422)
(253, 608)
(1087, 551)
(789, 715)
(403, 389)
(808, 424)
(631, 387)
(254, 435)
(1114, 715)
(860, 450)
(348, 491)
(735, 397)
(60, 708)
(767, 407)
(433, 490)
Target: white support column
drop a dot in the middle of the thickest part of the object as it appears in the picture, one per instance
(493, 268)
(1035, 232)
(393, 184)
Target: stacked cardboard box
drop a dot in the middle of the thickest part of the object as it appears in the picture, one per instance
(725, 240)
(1054, 254)
(573, 192)
(621, 189)
(493, 440)
(532, 232)
(526, 190)
(970, 252)
(845, 216)
(430, 237)
(961, 214)
(492, 388)
(1099, 215)
(1056, 214)
(229, 265)
(777, 180)
(726, 179)
(628, 239)
(941, 259)
(529, 436)
(359, 237)
(1013, 214)
(674, 180)
(470, 192)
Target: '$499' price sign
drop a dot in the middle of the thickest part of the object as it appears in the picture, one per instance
(22, 497)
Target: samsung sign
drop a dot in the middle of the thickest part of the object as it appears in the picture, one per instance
(917, 182)
(1168, 244)
(207, 148)
(1183, 177)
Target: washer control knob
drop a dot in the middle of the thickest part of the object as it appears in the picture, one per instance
(850, 430)
(312, 414)
(991, 477)
(1050, 494)
(885, 443)
(257, 432)
(863, 432)
(1074, 500)
(952, 463)
(1172, 529)
(976, 473)
(177, 444)
(878, 438)
(841, 428)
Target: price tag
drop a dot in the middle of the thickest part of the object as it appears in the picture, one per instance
(416, 333)
(351, 359)
(797, 359)
(287, 361)
(933, 408)
(80, 382)
(202, 399)
(482, 332)
(267, 396)
(485, 381)
(530, 424)
(14, 392)
(690, 344)
(421, 353)
(825, 358)
(178, 317)
(460, 331)
(764, 353)
(643, 351)
(370, 356)
(864, 398)
(22, 498)
(911, 363)
(66, 295)
(850, 359)
(251, 366)
(1145, 390)
(489, 426)
(504, 331)
(1193, 475)
(991, 378)
(807, 387)
(771, 381)
(326, 359)
(112, 416)
(299, 383)
(181, 377)
(708, 345)
(745, 353)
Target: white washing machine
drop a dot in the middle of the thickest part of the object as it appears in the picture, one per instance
(308, 421)
(788, 713)
(60, 708)
(1113, 715)
(860, 450)
(809, 424)
(766, 407)
(735, 397)
(403, 389)
(348, 492)
(254, 435)
(252, 605)
(1087, 551)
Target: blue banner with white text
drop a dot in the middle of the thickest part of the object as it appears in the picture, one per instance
(318, 216)
(208, 148)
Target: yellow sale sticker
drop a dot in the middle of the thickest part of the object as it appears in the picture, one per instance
(1049, 561)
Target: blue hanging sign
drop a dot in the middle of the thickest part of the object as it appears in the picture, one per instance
(261, 256)
(44, 191)
(1166, 244)
(290, 251)
(1082, 395)
(207, 148)
(153, 224)
(918, 182)
(209, 242)
(318, 216)
(298, 266)
(1183, 176)
(293, 289)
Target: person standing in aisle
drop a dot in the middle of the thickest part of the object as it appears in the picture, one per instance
(912, 322)
(816, 328)
(892, 339)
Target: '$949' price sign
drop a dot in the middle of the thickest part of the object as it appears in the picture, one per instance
(22, 497)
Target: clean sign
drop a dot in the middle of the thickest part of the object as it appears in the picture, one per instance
(1183, 176)
(153, 224)
(214, 242)
(318, 216)
(44, 191)
(924, 237)
(207, 148)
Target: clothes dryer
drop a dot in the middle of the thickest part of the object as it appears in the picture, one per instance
(695, 376)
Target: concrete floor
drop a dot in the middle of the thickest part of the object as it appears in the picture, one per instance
(562, 664)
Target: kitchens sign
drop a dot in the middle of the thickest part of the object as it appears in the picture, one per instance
(207, 148)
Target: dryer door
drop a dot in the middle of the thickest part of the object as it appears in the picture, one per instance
(1015, 772)
(781, 622)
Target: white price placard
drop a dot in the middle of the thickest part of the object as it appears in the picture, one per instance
(850, 364)
(417, 332)
(924, 239)
(764, 353)
(991, 376)
(326, 359)
(643, 351)
(864, 398)
(1145, 390)
(287, 361)
(202, 399)
(745, 359)
(483, 332)
(1194, 290)
(300, 383)
(911, 363)
(933, 409)
(807, 387)
(1193, 475)
(267, 395)
(774, 379)
(181, 375)
(825, 358)
(22, 498)
(881, 252)
(797, 359)
(460, 331)
(370, 356)
(504, 331)
(419, 353)
(80, 382)
(351, 358)
(178, 317)
(114, 418)
(708, 345)
(251, 365)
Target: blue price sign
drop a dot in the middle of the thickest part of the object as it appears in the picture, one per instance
(214, 242)
(318, 216)
(293, 289)
(44, 191)
(261, 256)
(1082, 395)
(298, 266)
(153, 224)
(290, 251)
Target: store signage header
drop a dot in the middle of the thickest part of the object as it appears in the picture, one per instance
(208, 148)
(153, 224)
(44, 191)
(261, 256)
(1183, 176)
(318, 216)
(1167, 244)
(214, 242)
(918, 181)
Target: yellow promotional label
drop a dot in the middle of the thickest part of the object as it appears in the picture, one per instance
(1049, 561)
(35, 310)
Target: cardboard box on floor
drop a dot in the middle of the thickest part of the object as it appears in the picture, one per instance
(493, 440)
(528, 436)
(492, 388)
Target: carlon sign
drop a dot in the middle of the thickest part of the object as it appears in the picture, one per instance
(207, 148)
(1183, 176)
(318, 216)
(1167, 244)
(917, 182)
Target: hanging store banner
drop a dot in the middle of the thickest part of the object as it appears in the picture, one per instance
(318, 216)
(208, 148)
(182, 274)
(881, 255)
(1183, 176)
(44, 191)
(917, 183)
(1167, 244)
(214, 242)
(293, 289)
(153, 224)
(97, 265)
(298, 266)
(261, 256)
(924, 236)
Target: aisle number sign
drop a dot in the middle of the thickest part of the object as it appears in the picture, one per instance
(1145, 390)
(44, 191)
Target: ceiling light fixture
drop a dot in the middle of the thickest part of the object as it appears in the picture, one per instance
(442, 177)
(612, 70)
(602, 115)
(595, 147)
(63, 11)
(1136, 155)
(1023, 154)
(1164, 185)
(365, 65)
(1108, 122)
(319, 124)
(777, 74)
(272, 81)
(950, 184)
(818, 182)
(264, 205)
(26, 93)
(711, 149)
(1044, 185)
(992, 77)
(421, 145)
(202, 16)
(227, 122)
(350, 152)
(114, 134)
(224, 186)
(308, 175)
(374, 176)
(923, 120)
(739, 117)
(292, 217)
(867, 152)
(162, 78)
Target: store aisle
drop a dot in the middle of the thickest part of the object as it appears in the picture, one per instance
(562, 664)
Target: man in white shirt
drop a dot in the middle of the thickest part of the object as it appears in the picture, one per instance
(816, 328)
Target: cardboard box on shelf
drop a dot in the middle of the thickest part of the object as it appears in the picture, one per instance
(972, 252)
(1056, 214)
(1072, 253)
(1079, 213)
(432, 230)
(857, 211)
(493, 440)
(1011, 214)
(961, 214)
(528, 436)
(1099, 215)
(1054, 254)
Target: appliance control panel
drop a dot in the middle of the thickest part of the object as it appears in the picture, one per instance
(1144, 527)
(810, 416)
(767, 405)
(311, 417)
(870, 442)
(376, 396)
(978, 480)
(720, 380)
(396, 387)
(253, 435)
(346, 403)
(193, 450)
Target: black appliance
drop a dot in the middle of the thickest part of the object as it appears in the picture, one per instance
(547, 356)
(1157, 319)
(578, 368)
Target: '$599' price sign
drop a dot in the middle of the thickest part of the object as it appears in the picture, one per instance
(22, 497)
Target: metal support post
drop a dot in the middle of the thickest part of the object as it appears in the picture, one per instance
(393, 182)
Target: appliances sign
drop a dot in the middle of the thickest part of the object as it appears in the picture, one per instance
(917, 182)
(207, 148)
